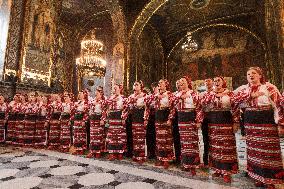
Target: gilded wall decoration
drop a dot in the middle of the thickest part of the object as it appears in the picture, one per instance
(13, 50)
(5, 7)
(66, 53)
(150, 65)
(221, 52)
(199, 4)
(38, 39)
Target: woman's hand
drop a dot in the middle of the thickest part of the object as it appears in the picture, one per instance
(198, 125)
(123, 122)
(169, 123)
(236, 127)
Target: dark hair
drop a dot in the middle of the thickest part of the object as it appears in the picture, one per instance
(188, 79)
(224, 81)
(141, 83)
(154, 84)
(167, 84)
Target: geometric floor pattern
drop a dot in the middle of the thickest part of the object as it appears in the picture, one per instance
(31, 168)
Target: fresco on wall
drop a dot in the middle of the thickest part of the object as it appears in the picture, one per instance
(39, 29)
(150, 57)
(5, 7)
(220, 52)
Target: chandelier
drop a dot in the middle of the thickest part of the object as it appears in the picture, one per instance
(91, 61)
(189, 45)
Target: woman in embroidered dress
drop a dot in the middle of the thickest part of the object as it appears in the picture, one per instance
(79, 127)
(54, 123)
(31, 113)
(222, 118)
(189, 118)
(116, 136)
(41, 131)
(20, 125)
(65, 122)
(204, 126)
(3, 118)
(136, 106)
(164, 112)
(176, 135)
(13, 109)
(261, 116)
(97, 116)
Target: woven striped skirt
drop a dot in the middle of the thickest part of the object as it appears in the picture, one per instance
(139, 134)
(164, 136)
(264, 161)
(29, 129)
(79, 132)
(222, 143)
(65, 131)
(189, 140)
(2, 127)
(97, 140)
(54, 130)
(41, 131)
(116, 136)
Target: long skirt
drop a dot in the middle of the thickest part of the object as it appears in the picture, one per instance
(41, 131)
(65, 131)
(264, 161)
(222, 143)
(164, 137)
(79, 133)
(139, 134)
(151, 136)
(2, 127)
(97, 141)
(176, 138)
(18, 129)
(205, 138)
(29, 129)
(129, 135)
(189, 139)
(11, 128)
(54, 130)
(116, 136)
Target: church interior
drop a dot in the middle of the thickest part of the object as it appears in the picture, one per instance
(145, 94)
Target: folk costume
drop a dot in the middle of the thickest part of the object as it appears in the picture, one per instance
(136, 106)
(116, 136)
(261, 116)
(221, 115)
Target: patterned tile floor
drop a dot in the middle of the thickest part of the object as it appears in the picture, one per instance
(30, 168)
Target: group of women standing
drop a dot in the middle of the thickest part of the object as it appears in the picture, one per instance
(60, 121)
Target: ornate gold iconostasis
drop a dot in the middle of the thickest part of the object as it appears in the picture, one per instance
(143, 40)
(39, 31)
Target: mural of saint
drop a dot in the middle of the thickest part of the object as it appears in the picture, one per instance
(5, 6)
